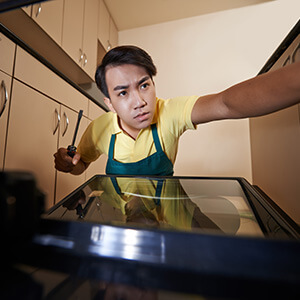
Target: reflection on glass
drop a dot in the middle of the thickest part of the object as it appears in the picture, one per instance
(218, 206)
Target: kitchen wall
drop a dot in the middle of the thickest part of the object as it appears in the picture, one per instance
(207, 54)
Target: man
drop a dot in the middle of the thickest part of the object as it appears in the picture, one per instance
(140, 133)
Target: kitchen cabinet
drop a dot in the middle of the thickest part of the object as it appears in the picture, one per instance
(35, 74)
(27, 9)
(49, 16)
(103, 25)
(33, 136)
(113, 33)
(7, 50)
(66, 182)
(107, 30)
(5, 83)
(79, 38)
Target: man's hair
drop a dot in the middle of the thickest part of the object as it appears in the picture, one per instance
(120, 56)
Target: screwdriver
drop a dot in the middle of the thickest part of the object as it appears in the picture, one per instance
(72, 148)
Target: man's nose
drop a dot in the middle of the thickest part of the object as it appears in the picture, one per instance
(138, 100)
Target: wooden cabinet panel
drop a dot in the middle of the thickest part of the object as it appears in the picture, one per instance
(31, 140)
(89, 43)
(95, 111)
(73, 29)
(113, 33)
(5, 84)
(7, 50)
(35, 74)
(103, 25)
(27, 9)
(49, 16)
(66, 183)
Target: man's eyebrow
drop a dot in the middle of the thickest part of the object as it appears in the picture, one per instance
(124, 87)
(144, 79)
(121, 87)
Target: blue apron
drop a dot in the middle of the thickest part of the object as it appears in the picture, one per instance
(157, 164)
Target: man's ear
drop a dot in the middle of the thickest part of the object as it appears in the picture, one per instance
(109, 104)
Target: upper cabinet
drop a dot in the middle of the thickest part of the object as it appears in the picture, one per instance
(107, 30)
(67, 33)
(79, 37)
(49, 16)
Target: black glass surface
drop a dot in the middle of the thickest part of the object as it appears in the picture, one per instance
(209, 205)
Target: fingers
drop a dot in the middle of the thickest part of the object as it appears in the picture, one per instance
(63, 162)
(76, 158)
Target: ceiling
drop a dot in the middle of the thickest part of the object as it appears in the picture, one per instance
(129, 14)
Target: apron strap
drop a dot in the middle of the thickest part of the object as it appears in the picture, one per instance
(156, 138)
(111, 146)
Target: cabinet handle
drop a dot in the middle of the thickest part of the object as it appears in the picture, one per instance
(58, 121)
(85, 60)
(38, 10)
(67, 124)
(109, 45)
(5, 97)
(81, 55)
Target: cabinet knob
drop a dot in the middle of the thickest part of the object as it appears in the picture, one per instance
(3, 86)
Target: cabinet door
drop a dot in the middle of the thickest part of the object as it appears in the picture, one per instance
(90, 32)
(103, 29)
(113, 33)
(73, 29)
(5, 82)
(66, 182)
(49, 16)
(7, 50)
(32, 139)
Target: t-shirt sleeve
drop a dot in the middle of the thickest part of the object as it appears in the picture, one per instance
(177, 113)
(87, 147)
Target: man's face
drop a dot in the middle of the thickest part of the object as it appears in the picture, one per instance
(132, 97)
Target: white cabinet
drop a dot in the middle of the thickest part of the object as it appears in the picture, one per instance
(79, 37)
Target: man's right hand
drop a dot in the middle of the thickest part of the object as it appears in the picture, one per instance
(64, 162)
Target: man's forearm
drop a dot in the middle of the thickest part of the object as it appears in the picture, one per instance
(264, 94)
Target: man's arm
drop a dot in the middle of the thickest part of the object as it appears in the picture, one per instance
(258, 96)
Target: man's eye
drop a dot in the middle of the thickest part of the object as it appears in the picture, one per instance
(145, 85)
(123, 93)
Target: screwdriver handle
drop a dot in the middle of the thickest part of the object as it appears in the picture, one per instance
(71, 150)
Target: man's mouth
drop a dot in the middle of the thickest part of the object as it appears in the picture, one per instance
(142, 116)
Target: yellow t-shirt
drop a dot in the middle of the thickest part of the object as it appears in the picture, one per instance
(172, 118)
